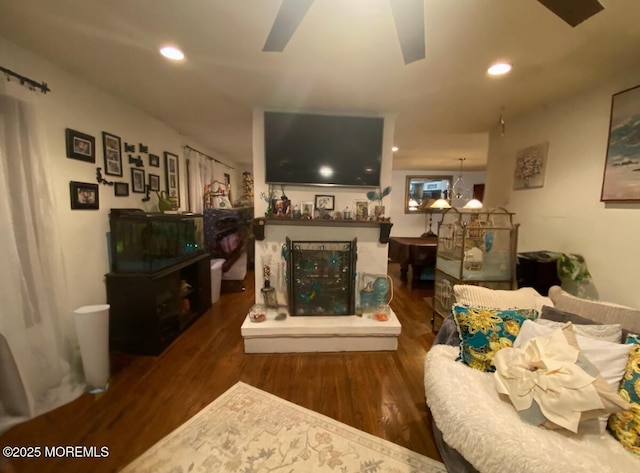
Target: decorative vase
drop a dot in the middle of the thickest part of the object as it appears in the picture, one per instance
(92, 329)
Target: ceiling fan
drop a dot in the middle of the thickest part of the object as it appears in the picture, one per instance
(408, 16)
(573, 12)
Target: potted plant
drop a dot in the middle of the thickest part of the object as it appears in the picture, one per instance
(378, 195)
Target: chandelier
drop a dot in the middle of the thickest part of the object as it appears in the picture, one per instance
(458, 192)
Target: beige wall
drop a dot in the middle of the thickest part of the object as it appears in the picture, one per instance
(74, 103)
(566, 214)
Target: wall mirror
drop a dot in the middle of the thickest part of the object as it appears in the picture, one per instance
(422, 191)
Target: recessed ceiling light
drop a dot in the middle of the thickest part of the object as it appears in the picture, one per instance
(499, 68)
(394, 149)
(171, 52)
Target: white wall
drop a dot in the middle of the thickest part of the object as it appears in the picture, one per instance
(74, 103)
(413, 225)
(566, 215)
(372, 255)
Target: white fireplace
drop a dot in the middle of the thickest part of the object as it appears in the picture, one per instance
(316, 333)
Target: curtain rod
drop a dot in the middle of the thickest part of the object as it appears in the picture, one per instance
(33, 85)
(207, 156)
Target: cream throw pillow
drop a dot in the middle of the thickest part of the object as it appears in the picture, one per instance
(479, 296)
(608, 333)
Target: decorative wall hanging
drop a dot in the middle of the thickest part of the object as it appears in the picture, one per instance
(154, 160)
(100, 179)
(121, 189)
(129, 148)
(137, 180)
(154, 182)
(84, 196)
(147, 195)
(621, 181)
(111, 146)
(143, 148)
(172, 172)
(530, 166)
(80, 146)
(136, 160)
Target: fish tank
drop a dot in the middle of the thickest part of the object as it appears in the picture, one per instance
(144, 242)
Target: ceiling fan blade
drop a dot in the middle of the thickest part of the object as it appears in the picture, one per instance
(289, 17)
(409, 18)
(573, 12)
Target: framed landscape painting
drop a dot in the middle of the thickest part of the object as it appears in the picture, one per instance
(621, 181)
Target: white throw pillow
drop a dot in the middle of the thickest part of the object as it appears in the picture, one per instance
(610, 358)
(608, 333)
(479, 296)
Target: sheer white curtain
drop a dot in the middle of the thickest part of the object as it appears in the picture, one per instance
(202, 171)
(39, 370)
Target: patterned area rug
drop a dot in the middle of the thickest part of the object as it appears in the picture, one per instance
(250, 431)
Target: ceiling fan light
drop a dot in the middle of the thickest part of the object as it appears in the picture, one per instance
(499, 68)
(171, 52)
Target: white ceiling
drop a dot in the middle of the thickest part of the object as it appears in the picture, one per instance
(344, 57)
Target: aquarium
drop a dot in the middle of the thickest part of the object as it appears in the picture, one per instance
(149, 242)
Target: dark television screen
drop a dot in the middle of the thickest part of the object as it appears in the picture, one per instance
(322, 149)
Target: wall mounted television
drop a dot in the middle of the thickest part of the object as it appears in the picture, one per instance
(308, 149)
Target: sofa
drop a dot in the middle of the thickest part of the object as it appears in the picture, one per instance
(478, 429)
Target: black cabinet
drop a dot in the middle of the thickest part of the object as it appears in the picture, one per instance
(149, 311)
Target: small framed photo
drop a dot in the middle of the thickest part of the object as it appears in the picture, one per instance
(154, 160)
(121, 189)
(84, 196)
(361, 208)
(111, 146)
(80, 146)
(154, 182)
(325, 202)
(137, 181)
(306, 209)
(172, 172)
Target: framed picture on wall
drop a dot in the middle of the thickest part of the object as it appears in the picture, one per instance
(121, 189)
(137, 181)
(621, 180)
(173, 175)
(111, 146)
(80, 146)
(154, 182)
(154, 160)
(84, 196)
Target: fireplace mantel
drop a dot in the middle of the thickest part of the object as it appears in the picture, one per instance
(259, 224)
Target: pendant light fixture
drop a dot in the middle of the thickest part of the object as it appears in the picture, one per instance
(458, 188)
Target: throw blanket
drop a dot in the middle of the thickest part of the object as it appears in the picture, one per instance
(489, 433)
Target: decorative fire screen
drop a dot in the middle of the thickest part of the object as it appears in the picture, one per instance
(321, 277)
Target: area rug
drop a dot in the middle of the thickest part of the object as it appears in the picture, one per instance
(251, 431)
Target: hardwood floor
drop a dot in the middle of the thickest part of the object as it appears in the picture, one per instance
(378, 392)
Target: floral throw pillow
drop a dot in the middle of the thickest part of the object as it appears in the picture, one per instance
(484, 331)
(625, 426)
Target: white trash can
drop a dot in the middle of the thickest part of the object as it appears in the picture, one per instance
(216, 278)
(92, 328)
